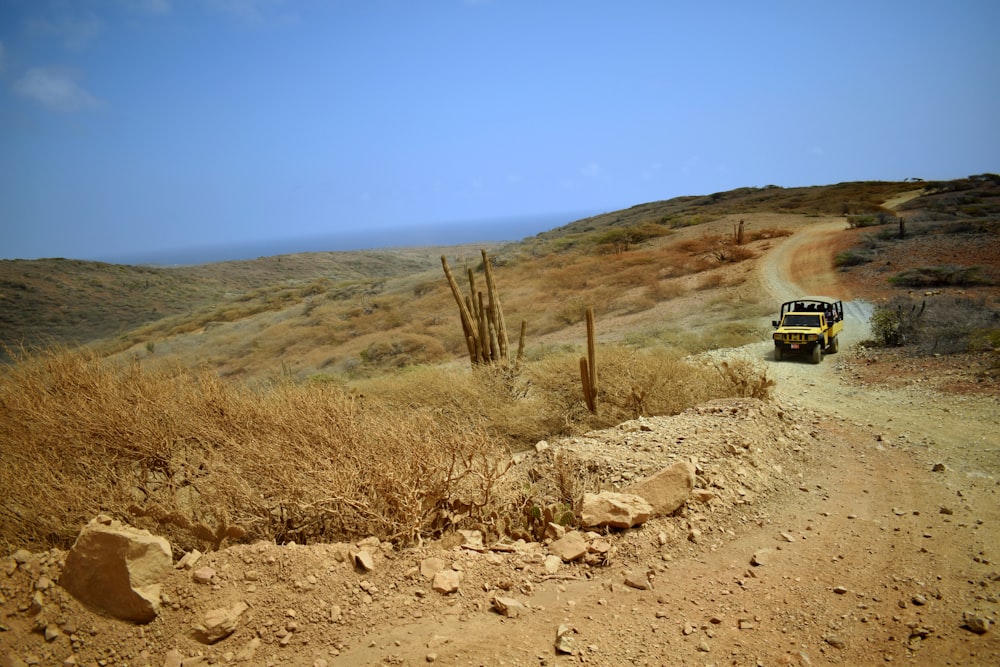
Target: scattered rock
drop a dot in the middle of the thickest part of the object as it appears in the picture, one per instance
(364, 560)
(570, 547)
(703, 495)
(666, 490)
(839, 590)
(508, 607)
(976, 622)
(446, 582)
(565, 641)
(614, 510)
(638, 579)
(219, 623)
(117, 569)
(188, 560)
(938, 467)
(431, 566)
(246, 653)
(173, 658)
(203, 575)
(834, 641)
(761, 557)
(552, 564)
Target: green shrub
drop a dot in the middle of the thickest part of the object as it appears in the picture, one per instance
(940, 276)
(852, 258)
(939, 326)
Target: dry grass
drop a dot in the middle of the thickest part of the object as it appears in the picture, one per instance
(203, 460)
(200, 459)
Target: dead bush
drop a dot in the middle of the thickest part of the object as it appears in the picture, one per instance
(201, 460)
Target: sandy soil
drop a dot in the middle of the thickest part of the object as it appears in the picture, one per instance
(872, 514)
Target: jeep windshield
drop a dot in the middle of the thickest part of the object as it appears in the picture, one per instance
(801, 321)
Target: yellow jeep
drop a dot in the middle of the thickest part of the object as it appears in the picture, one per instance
(809, 325)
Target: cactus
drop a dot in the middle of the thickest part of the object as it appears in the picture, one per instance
(482, 317)
(588, 365)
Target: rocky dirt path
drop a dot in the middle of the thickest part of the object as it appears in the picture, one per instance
(848, 526)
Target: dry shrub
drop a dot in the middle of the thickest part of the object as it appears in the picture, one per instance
(631, 383)
(767, 233)
(664, 290)
(700, 244)
(747, 379)
(201, 460)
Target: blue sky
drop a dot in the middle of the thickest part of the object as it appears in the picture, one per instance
(128, 126)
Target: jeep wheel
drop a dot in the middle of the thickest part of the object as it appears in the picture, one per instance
(777, 353)
(817, 353)
(834, 346)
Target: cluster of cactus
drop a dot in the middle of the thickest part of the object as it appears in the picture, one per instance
(482, 319)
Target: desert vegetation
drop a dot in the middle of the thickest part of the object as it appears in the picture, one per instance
(207, 461)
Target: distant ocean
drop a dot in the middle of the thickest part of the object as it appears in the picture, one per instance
(442, 234)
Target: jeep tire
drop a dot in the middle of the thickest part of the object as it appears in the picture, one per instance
(817, 353)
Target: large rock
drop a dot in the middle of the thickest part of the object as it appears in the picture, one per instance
(614, 510)
(668, 489)
(117, 569)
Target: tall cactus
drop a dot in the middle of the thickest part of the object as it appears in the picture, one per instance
(588, 365)
(482, 317)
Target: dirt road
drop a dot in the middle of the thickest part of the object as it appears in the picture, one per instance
(881, 543)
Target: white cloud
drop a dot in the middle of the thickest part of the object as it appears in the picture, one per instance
(75, 33)
(591, 169)
(55, 89)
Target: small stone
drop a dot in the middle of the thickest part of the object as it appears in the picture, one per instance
(508, 607)
(976, 622)
(364, 560)
(552, 564)
(431, 657)
(188, 560)
(788, 537)
(834, 641)
(431, 566)
(565, 642)
(761, 557)
(203, 575)
(246, 653)
(919, 600)
(219, 623)
(446, 582)
(839, 590)
(51, 632)
(938, 467)
(571, 546)
(638, 580)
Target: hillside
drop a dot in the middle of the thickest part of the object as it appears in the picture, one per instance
(358, 314)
